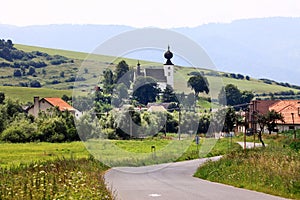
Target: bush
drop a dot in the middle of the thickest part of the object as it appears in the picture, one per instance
(20, 130)
(22, 84)
(52, 130)
(35, 84)
(57, 62)
(31, 71)
(5, 64)
(71, 79)
(55, 82)
(110, 133)
(295, 145)
(13, 134)
(17, 73)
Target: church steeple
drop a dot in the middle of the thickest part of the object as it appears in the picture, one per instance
(168, 55)
(138, 68)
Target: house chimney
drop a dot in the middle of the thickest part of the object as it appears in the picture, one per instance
(36, 106)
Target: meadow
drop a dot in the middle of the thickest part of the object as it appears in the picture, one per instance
(25, 95)
(65, 170)
(73, 171)
(90, 68)
(114, 152)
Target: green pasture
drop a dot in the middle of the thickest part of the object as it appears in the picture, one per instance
(115, 152)
(24, 94)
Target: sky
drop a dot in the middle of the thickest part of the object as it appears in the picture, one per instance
(142, 13)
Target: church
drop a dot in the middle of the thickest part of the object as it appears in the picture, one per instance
(164, 75)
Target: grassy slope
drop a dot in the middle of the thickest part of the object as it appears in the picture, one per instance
(26, 94)
(253, 85)
(78, 55)
(95, 65)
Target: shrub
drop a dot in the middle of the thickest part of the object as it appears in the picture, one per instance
(35, 84)
(13, 134)
(22, 84)
(17, 73)
(53, 130)
(31, 71)
(109, 133)
(295, 145)
(55, 82)
(19, 131)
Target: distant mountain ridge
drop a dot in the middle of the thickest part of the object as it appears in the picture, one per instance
(262, 48)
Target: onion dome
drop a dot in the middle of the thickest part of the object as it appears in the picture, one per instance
(168, 55)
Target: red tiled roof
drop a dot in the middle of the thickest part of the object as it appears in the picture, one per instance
(61, 104)
(262, 106)
(286, 108)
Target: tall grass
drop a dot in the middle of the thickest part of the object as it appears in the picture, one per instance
(60, 179)
(274, 170)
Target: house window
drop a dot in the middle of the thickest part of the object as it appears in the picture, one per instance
(169, 67)
(299, 111)
(169, 74)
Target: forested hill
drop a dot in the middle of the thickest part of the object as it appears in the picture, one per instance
(29, 66)
(262, 48)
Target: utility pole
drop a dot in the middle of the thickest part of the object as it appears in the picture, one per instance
(245, 132)
(253, 121)
(294, 131)
(179, 120)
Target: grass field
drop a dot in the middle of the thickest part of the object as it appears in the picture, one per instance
(15, 154)
(114, 152)
(26, 94)
(26, 169)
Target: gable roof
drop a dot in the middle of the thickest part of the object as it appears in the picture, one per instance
(61, 104)
(262, 106)
(165, 105)
(286, 108)
(158, 74)
(157, 109)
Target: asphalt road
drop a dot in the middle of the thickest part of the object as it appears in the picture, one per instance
(250, 145)
(172, 181)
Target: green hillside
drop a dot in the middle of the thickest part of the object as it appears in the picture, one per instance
(26, 94)
(77, 55)
(58, 79)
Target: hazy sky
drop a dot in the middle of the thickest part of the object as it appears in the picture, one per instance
(141, 13)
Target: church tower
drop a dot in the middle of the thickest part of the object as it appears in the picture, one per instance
(169, 68)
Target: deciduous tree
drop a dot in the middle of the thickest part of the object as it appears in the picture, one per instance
(145, 90)
(198, 84)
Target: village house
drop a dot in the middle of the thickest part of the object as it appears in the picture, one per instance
(44, 104)
(290, 110)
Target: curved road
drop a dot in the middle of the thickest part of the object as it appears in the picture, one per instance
(172, 181)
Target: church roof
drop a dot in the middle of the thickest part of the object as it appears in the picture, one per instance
(158, 74)
(157, 109)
